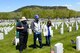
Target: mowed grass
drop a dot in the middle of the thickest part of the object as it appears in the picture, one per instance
(6, 45)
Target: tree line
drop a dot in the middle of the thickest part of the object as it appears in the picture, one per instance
(43, 13)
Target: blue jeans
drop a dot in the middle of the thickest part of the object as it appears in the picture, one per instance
(39, 39)
(48, 40)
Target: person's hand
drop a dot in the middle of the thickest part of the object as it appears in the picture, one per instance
(22, 27)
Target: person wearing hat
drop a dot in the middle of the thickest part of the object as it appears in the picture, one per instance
(36, 28)
(23, 33)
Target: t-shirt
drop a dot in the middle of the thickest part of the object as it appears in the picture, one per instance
(17, 34)
(48, 31)
(21, 24)
(18, 24)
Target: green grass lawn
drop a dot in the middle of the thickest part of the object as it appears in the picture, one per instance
(6, 45)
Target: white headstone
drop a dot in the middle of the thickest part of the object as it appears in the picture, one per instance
(72, 24)
(51, 33)
(1, 36)
(78, 43)
(67, 24)
(30, 31)
(29, 25)
(70, 29)
(77, 27)
(61, 31)
(76, 23)
(53, 24)
(37, 39)
(62, 25)
(16, 41)
(56, 26)
(5, 32)
(58, 48)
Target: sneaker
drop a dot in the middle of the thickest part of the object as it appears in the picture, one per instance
(41, 46)
(34, 47)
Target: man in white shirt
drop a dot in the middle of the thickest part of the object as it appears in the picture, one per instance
(36, 28)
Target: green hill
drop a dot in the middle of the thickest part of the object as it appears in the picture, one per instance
(41, 7)
(43, 11)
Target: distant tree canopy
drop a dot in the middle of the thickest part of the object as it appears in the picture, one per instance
(53, 13)
(44, 12)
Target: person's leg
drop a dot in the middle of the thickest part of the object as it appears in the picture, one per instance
(40, 40)
(46, 40)
(25, 40)
(35, 37)
(21, 43)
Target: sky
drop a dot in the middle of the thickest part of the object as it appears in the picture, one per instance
(11, 5)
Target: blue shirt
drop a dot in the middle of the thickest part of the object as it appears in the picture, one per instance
(48, 31)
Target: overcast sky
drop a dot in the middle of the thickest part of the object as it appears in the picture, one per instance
(11, 5)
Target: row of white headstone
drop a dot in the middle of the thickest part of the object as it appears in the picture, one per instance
(6, 31)
(58, 48)
(56, 25)
(43, 30)
(6, 23)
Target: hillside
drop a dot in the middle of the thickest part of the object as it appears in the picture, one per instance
(43, 11)
(41, 7)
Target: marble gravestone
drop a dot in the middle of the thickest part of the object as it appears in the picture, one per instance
(30, 31)
(76, 25)
(56, 26)
(1, 36)
(70, 28)
(16, 41)
(58, 48)
(61, 31)
(78, 43)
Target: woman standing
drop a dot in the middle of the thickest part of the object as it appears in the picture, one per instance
(48, 32)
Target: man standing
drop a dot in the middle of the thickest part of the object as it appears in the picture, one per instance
(36, 28)
(23, 33)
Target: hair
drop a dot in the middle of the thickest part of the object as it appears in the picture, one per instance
(49, 23)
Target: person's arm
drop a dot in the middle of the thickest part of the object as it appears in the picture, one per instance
(27, 25)
(20, 27)
(40, 28)
(32, 26)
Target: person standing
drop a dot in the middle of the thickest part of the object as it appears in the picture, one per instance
(17, 33)
(48, 32)
(36, 28)
(23, 34)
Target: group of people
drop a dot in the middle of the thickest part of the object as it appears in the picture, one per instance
(22, 32)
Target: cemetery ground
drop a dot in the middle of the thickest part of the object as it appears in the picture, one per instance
(6, 45)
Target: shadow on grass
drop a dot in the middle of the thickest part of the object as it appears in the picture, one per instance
(37, 46)
(73, 44)
(74, 47)
(32, 46)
